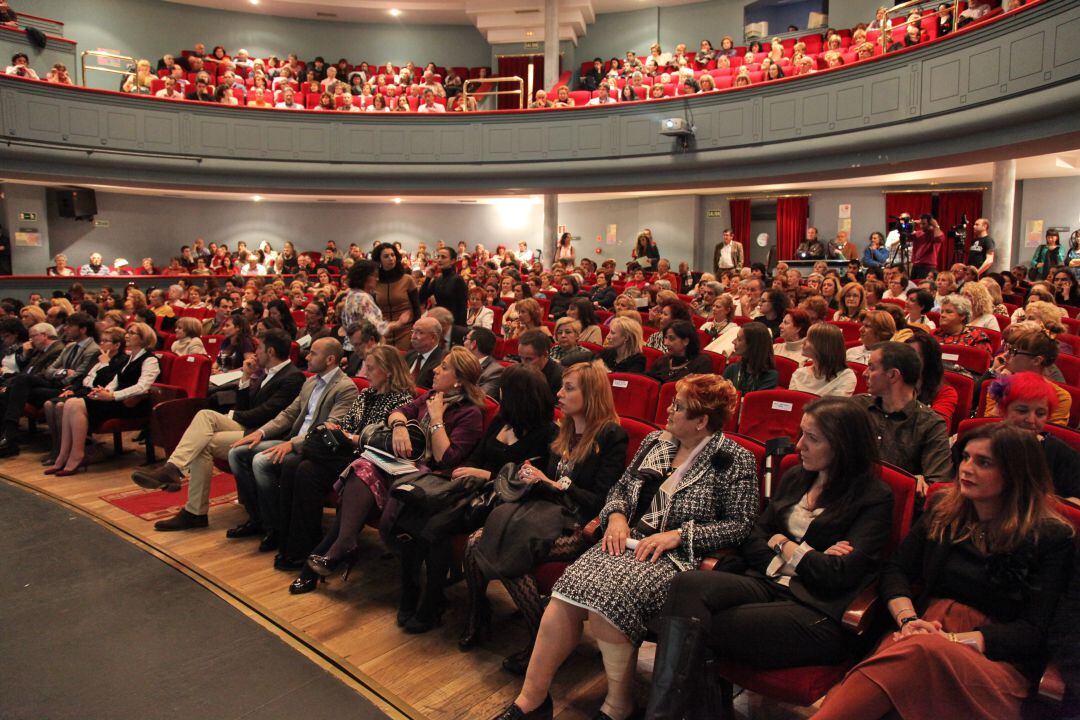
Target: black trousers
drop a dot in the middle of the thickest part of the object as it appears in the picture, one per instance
(758, 622)
(21, 389)
(304, 487)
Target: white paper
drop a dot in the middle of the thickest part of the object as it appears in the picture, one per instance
(225, 378)
(782, 406)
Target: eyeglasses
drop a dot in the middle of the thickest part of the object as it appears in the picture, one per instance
(677, 406)
(1011, 350)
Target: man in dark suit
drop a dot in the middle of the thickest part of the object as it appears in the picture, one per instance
(481, 343)
(44, 348)
(427, 351)
(453, 335)
(534, 348)
(67, 370)
(269, 383)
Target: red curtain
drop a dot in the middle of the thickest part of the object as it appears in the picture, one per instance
(740, 222)
(951, 207)
(519, 67)
(791, 214)
(915, 204)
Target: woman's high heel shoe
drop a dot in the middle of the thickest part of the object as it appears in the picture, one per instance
(325, 567)
(52, 470)
(81, 467)
(544, 712)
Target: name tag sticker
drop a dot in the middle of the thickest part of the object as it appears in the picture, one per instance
(620, 383)
(782, 406)
(190, 358)
(950, 357)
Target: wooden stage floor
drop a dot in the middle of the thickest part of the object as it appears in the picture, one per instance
(352, 625)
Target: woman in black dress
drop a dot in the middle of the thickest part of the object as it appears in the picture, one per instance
(622, 347)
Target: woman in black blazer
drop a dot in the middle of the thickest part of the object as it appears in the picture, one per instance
(814, 548)
(587, 457)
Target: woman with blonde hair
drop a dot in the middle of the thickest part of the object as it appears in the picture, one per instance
(829, 374)
(852, 303)
(139, 82)
(622, 346)
(877, 326)
(1046, 314)
(31, 315)
(589, 450)
(721, 327)
(982, 306)
(65, 305)
(391, 386)
(126, 395)
(188, 334)
(991, 558)
(529, 316)
(996, 297)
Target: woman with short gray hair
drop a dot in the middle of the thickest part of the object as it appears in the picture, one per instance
(954, 327)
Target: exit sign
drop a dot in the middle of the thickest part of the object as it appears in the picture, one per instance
(532, 46)
(714, 213)
(29, 217)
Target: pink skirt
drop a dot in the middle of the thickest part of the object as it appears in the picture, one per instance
(927, 676)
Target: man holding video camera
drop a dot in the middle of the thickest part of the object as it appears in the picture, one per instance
(926, 247)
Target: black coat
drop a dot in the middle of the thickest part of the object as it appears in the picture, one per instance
(827, 583)
(450, 292)
(633, 364)
(265, 401)
(592, 477)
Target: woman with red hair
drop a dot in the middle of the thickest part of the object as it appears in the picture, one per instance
(1027, 400)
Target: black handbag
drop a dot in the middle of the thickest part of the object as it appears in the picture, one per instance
(488, 497)
(381, 437)
(323, 445)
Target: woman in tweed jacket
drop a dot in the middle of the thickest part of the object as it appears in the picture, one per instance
(689, 491)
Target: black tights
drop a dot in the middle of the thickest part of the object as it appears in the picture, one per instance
(356, 504)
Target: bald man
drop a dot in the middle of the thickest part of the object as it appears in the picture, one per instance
(427, 350)
(256, 459)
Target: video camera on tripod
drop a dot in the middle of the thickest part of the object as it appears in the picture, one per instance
(959, 235)
(899, 240)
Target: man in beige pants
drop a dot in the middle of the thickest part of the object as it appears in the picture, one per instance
(268, 384)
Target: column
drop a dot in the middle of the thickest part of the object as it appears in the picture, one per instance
(1002, 198)
(551, 227)
(551, 43)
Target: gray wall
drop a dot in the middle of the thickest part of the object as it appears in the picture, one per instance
(149, 28)
(27, 199)
(1055, 201)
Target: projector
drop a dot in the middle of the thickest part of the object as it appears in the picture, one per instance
(676, 127)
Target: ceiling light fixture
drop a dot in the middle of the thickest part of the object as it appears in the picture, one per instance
(394, 12)
(254, 2)
(397, 201)
(256, 198)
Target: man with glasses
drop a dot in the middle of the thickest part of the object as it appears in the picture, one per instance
(427, 351)
(41, 351)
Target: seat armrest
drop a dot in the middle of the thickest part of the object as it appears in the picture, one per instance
(161, 392)
(1052, 685)
(710, 561)
(592, 530)
(860, 611)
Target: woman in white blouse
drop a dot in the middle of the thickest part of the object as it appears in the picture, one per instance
(982, 306)
(829, 375)
(477, 315)
(722, 329)
(126, 395)
(188, 337)
(793, 329)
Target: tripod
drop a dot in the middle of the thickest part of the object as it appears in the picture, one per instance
(900, 255)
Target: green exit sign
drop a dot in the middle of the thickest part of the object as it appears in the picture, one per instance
(30, 217)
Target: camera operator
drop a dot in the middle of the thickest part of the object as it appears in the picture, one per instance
(926, 247)
(811, 248)
(981, 251)
(20, 66)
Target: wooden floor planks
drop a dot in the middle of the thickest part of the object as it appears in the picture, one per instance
(356, 620)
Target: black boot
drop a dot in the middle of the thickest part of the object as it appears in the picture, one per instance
(410, 583)
(679, 651)
(9, 441)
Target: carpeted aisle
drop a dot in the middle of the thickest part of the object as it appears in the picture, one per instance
(92, 627)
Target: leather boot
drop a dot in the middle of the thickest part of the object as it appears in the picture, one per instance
(679, 650)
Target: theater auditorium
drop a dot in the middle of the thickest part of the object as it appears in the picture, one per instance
(534, 359)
